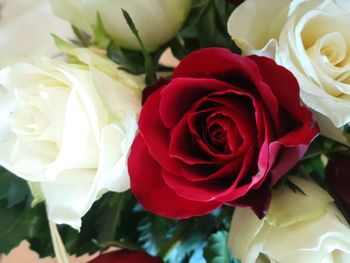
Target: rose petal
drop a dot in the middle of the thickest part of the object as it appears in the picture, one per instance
(173, 96)
(217, 63)
(126, 256)
(155, 134)
(150, 189)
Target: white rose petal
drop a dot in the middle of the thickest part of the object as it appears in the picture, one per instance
(298, 228)
(312, 40)
(67, 129)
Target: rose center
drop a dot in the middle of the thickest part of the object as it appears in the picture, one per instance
(217, 137)
(29, 121)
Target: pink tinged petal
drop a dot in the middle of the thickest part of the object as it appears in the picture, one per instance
(295, 138)
(288, 157)
(153, 193)
(286, 89)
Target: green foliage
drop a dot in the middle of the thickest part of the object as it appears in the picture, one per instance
(149, 65)
(13, 190)
(19, 220)
(217, 249)
(114, 220)
(131, 60)
(154, 231)
(101, 38)
(315, 160)
(206, 26)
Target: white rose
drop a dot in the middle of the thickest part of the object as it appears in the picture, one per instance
(297, 229)
(309, 37)
(156, 20)
(67, 129)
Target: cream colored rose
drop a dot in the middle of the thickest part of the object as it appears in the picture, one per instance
(297, 229)
(67, 129)
(156, 20)
(312, 39)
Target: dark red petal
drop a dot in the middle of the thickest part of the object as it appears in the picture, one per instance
(249, 177)
(225, 172)
(258, 200)
(184, 147)
(155, 134)
(180, 95)
(216, 63)
(152, 192)
(239, 107)
(201, 191)
(338, 179)
(150, 89)
(126, 256)
(220, 183)
(235, 2)
(286, 89)
(197, 124)
(286, 151)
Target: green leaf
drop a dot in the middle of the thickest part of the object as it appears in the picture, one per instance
(155, 231)
(112, 212)
(206, 26)
(82, 37)
(217, 250)
(188, 237)
(322, 145)
(19, 220)
(197, 11)
(13, 189)
(25, 224)
(130, 60)
(101, 38)
(178, 50)
(294, 187)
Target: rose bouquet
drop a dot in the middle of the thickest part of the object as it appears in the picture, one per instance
(237, 152)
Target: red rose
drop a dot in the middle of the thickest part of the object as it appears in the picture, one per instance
(224, 130)
(338, 179)
(126, 256)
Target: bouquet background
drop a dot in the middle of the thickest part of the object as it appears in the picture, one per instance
(123, 222)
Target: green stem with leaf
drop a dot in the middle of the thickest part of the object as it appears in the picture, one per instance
(149, 67)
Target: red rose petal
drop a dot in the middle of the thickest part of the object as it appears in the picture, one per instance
(292, 146)
(174, 104)
(150, 89)
(338, 179)
(155, 134)
(258, 200)
(216, 63)
(288, 98)
(126, 256)
(150, 189)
